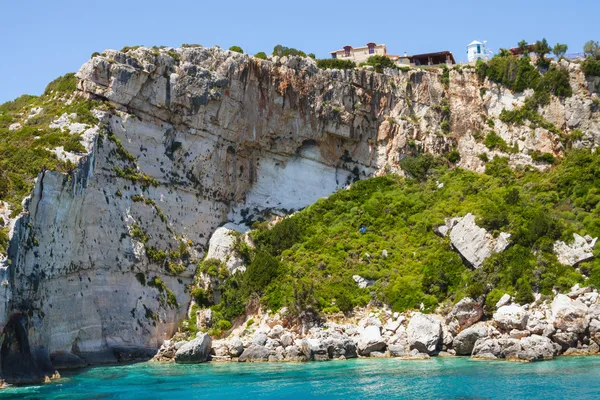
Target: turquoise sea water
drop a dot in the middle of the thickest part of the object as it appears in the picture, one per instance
(438, 378)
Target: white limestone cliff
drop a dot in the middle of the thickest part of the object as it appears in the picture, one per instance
(196, 137)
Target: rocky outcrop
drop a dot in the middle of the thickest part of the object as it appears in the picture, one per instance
(195, 351)
(465, 341)
(473, 243)
(424, 333)
(464, 314)
(582, 249)
(370, 340)
(255, 353)
(532, 348)
(362, 282)
(569, 315)
(511, 317)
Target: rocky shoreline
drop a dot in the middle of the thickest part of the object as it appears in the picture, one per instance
(568, 324)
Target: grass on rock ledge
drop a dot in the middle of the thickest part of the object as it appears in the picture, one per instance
(26, 150)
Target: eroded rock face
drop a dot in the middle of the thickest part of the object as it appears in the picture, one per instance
(464, 314)
(582, 249)
(569, 315)
(474, 243)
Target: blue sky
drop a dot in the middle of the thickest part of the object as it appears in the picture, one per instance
(42, 39)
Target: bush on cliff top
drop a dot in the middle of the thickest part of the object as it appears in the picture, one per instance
(379, 63)
(281, 51)
(335, 63)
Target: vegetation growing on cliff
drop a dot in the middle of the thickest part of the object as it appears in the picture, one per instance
(308, 260)
(27, 141)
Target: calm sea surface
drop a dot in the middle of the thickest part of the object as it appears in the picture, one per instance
(438, 378)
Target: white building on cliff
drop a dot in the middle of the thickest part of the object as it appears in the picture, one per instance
(476, 51)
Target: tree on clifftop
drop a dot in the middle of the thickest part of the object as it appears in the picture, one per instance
(560, 50)
(592, 49)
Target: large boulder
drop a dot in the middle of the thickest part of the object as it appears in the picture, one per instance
(464, 314)
(424, 333)
(566, 340)
(582, 249)
(314, 349)
(398, 350)
(235, 347)
(340, 347)
(465, 341)
(538, 347)
(569, 315)
(474, 243)
(221, 247)
(486, 348)
(511, 317)
(294, 353)
(255, 353)
(195, 351)
(370, 340)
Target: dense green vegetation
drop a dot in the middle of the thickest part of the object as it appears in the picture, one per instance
(519, 74)
(237, 49)
(335, 63)
(281, 51)
(379, 63)
(25, 150)
(261, 54)
(307, 261)
(591, 66)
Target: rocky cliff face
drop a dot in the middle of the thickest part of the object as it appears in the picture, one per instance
(196, 137)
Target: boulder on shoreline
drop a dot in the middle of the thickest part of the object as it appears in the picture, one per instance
(195, 351)
(424, 333)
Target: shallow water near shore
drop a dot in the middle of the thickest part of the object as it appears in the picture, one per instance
(439, 378)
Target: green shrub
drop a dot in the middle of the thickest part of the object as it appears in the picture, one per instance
(236, 49)
(417, 167)
(65, 84)
(281, 51)
(492, 298)
(494, 141)
(515, 73)
(263, 268)
(546, 158)
(200, 297)
(335, 63)
(224, 325)
(591, 66)
(261, 55)
(453, 156)
(379, 63)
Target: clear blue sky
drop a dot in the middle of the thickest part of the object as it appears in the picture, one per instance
(43, 39)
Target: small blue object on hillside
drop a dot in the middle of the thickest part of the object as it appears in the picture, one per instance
(363, 229)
